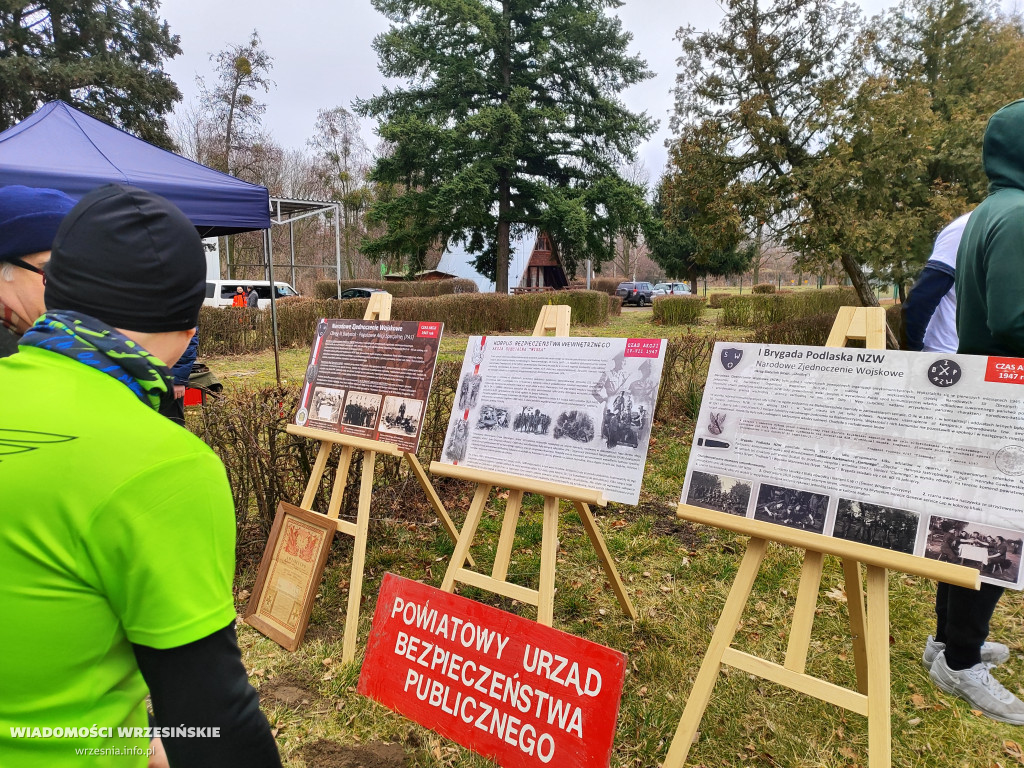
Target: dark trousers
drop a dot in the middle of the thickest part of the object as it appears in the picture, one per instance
(173, 409)
(962, 618)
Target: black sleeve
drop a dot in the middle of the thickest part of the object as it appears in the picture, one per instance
(931, 286)
(204, 685)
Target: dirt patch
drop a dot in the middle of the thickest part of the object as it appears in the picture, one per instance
(287, 692)
(683, 531)
(375, 754)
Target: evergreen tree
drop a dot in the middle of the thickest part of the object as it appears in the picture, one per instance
(104, 57)
(509, 120)
(697, 227)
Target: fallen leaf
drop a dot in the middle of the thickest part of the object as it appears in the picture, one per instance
(244, 594)
(914, 721)
(837, 593)
(918, 701)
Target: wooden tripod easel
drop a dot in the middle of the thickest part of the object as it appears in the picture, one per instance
(552, 318)
(869, 630)
(379, 308)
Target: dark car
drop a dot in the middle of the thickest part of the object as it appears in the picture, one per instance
(359, 293)
(635, 293)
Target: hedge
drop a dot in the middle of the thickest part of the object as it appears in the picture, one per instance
(756, 310)
(715, 300)
(763, 288)
(328, 289)
(230, 331)
(678, 310)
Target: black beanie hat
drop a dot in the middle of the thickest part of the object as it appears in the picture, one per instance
(130, 258)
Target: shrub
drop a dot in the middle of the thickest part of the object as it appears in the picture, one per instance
(233, 331)
(328, 289)
(756, 310)
(715, 300)
(614, 306)
(812, 330)
(678, 310)
(763, 288)
(605, 284)
(685, 370)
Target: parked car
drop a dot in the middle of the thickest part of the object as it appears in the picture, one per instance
(359, 293)
(669, 289)
(635, 293)
(220, 293)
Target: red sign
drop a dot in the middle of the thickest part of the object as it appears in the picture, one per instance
(643, 347)
(1005, 370)
(429, 331)
(520, 693)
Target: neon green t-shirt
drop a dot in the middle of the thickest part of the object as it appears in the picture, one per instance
(116, 527)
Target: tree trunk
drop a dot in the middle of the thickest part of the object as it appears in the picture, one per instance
(501, 272)
(691, 275)
(757, 256)
(504, 175)
(864, 293)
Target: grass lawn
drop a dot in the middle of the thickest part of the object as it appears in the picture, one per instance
(678, 576)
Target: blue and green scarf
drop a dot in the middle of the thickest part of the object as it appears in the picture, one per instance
(98, 345)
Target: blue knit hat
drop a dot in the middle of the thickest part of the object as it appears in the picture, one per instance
(29, 217)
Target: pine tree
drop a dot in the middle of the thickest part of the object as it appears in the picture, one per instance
(104, 57)
(509, 120)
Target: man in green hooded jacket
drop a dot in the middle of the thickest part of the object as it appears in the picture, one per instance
(990, 321)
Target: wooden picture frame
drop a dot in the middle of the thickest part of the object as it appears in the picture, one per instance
(289, 575)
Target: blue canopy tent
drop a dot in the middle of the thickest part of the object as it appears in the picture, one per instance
(61, 148)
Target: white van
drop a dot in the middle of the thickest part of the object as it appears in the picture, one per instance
(221, 293)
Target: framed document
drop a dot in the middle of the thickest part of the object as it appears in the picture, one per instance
(289, 575)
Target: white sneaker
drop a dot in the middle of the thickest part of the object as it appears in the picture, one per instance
(992, 654)
(979, 689)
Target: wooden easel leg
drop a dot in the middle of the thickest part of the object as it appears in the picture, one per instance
(340, 480)
(508, 534)
(803, 614)
(728, 623)
(355, 586)
(879, 725)
(434, 499)
(858, 631)
(548, 556)
(476, 510)
(314, 479)
(605, 557)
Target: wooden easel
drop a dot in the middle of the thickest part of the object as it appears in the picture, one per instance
(552, 318)
(870, 630)
(379, 308)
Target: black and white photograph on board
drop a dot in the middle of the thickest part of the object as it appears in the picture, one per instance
(326, 404)
(492, 418)
(791, 507)
(995, 552)
(401, 415)
(718, 492)
(361, 409)
(531, 421)
(574, 425)
(458, 438)
(469, 392)
(879, 526)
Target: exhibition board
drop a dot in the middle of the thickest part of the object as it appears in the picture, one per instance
(376, 367)
(919, 453)
(583, 388)
(869, 620)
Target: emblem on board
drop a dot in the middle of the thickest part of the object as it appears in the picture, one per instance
(731, 357)
(944, 373)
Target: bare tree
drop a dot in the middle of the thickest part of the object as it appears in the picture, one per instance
(242, 70)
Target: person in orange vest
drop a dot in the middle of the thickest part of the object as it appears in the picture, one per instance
(238, 300)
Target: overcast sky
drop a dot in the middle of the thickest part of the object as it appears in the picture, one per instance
(323, 55)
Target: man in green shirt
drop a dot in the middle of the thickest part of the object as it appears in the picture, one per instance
(117, 527)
